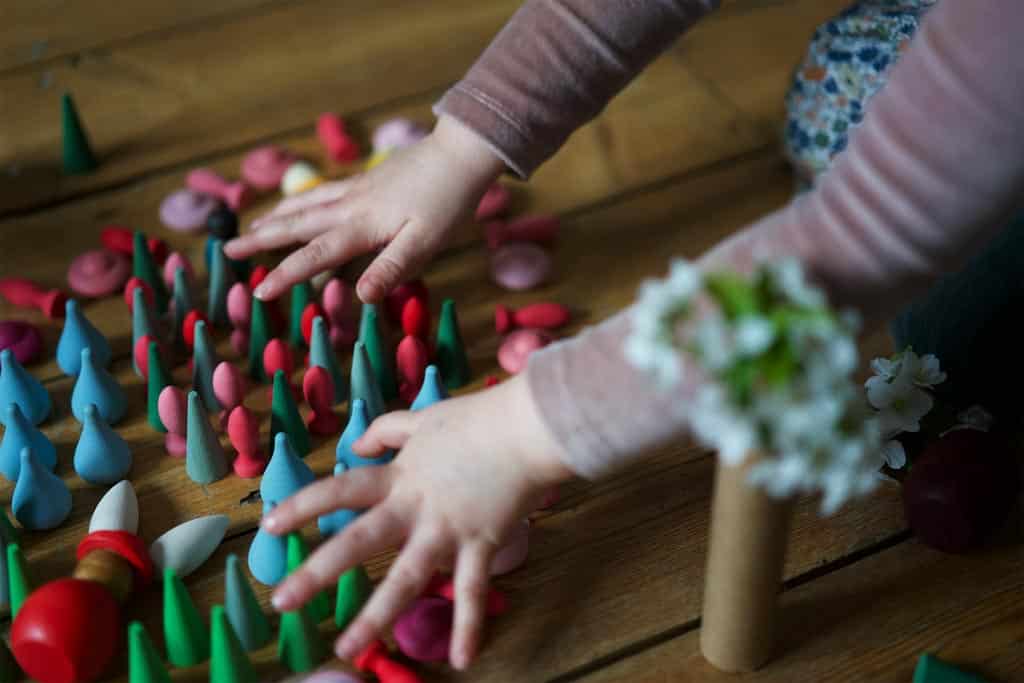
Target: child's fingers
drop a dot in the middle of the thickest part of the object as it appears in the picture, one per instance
(400, 259)
(295, 227)
(356, 489)
(409, 575)
(324, 251)
(379, 529)
(388, 432)
(323, 193)
(472, 572)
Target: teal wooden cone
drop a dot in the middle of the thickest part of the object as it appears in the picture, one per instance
(204, 361)
(142, 324)
(145, 269)
(321, 354)
(243, 610)
(221, 279)
(363, 383)
(451, 352)
(205, 461)
(302, 294)
(76, 151)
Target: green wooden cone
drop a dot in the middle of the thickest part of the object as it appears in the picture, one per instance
(451, 352)
(228, 662)
(76, 150)
(144, 664)
(285, 417)
(204, 361)
(243, 610)
(157, 380)
(221, 279)
(363, 383)
(9, 670)
(142, 323)
(8, 532)
(302, 294)
(17, 578)
(933, 670)
(144, 269)
(354, 588)
(188, 641)
(380, 355)
(320, 606)
(300, 646)
(182, 302)
(205, 460)
(259, 337)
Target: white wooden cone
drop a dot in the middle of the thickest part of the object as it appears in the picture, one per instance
(118, 510)
(185, 547)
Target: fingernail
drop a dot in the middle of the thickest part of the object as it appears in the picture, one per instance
(459, 660)
(346, 648)
(270, 523)
(282, 599)
(364, 290)
(260, 292)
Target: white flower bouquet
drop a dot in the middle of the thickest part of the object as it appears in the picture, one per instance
(779, 366)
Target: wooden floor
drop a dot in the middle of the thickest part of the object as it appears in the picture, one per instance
(687, 154)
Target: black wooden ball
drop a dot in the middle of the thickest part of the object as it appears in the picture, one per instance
(222, 223)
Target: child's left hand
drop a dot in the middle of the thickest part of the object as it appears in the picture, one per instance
(468, 470)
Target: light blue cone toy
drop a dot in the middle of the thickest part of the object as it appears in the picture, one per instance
(363, 382)
(79, 334)
(286, 472)
(432, 390)
(101, 456)
(268, 555)
(41, 498)
(321, 354)
(333, 522)
(358, 422)
(17, 385)
(142, 323)
(22, 434)
(204, 360)
(95, 385)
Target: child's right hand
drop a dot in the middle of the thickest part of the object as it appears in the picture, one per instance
(408, 205)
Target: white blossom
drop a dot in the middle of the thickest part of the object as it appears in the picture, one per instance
(928, 373)
(885, 368)
(894, 454)
(788, 275)
(900, 402)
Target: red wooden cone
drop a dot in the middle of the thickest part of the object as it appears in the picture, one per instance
(318, 389)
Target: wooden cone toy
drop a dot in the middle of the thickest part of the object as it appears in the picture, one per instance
(319, 607)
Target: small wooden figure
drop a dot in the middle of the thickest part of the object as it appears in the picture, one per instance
(267, 555)
(221, 279)
(319, 392)
(240, 315)
(339, 304)
(143, 327)
(340, 146)
(244, 431)
(18, 386)
(205, 461)
(98, 273)
(540, 228)
(130, 286)
(77, 152)
(222, 223)
(354, 589)
(321, 354)
(516, 348)
(452, 360)
(423, 631)
(22, 338)
(519, 266)
(41, 499)
(95, 386)
(301, 296)
(144, 267)
(311, 312)
(415, 318)
(286, 473)
(431, 391)
(118, 510)
(27, 294)
(79, 333)
(378, 352)
(188, 641)
(545, 315)
(21, 434)
(173, 411)
(230, 387)
(186, 210)
(363, 383)
(237, 195)
(242, 609)
(228, 661)
(318, 607)
(157, 378)
(375, 660)
(285, 417)
(411, 361)
(263, 167)
(300, 177)
(204, 360)
(185, 547)
(300, 647)
(101, 456)
(144, 664)
(175, 261)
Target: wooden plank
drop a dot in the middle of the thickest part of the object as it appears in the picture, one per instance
(630, 146)
(748, 51)
(871, 620)
(166, 101)
(35, 31)
(181, 95)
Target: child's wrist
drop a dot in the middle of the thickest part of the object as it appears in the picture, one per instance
(469, 151)
(540, 450)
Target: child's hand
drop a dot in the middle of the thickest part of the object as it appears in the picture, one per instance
(468, 470)
(408, 204)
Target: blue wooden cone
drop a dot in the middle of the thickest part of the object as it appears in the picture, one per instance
(204, 360)
(41, 498)
(268, 555)
(321, 354)
(95, 385)
(432, 390)
(335, 521)
(286, 473)
(364, 382)
(358, 422)
(205, 461)
(18, 386)
(101, 456)
(142, 323)
(221, 279)
(79, 333)
(22, 434)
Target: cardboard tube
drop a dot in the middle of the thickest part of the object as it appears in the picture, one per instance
(747, 549)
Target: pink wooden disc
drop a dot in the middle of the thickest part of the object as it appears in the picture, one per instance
(99, 272)
(23, 339)
(263, 167)
(186, 210)
(520, 266)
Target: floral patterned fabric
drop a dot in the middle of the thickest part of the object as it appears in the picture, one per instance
(845, 66)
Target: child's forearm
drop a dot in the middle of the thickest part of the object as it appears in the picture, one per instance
(555, 65)
(929, 177)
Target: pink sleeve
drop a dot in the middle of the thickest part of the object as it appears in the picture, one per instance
(555, 65)
(931, 175)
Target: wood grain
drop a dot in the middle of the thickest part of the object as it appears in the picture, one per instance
(37, 32)
(871, 621)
